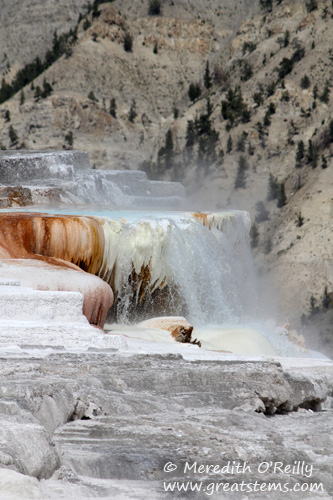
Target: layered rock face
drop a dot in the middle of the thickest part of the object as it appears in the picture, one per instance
(32, 177)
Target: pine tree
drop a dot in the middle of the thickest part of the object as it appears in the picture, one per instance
(305, 82)
(166, 152)
(190, 134)
(168, 149)
(326, 300)
(194, 91)
(113, 108)
(282, 199)
(315, 91)
(47, 89)
(240, 146)
(254, 236)
(300, 152)
(331, 130)
(207, 77)
(95, 11)
(209, 107)
(229, 144)
(132, 112)
(128, 42)
(312, 154)
(154, 7)
(325, 96)
(38, 93)
(12, 136)
(266, 4)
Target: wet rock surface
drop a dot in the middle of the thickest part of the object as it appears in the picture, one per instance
(107, 423)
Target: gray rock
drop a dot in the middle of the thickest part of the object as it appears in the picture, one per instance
(117, 419)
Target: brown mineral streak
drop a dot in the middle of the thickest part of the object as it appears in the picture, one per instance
(67, 242)
(203, 218)
(79, 240)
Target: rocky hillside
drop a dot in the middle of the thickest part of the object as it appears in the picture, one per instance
(231, 99)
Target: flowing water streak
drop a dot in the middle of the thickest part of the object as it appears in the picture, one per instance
(203, 259)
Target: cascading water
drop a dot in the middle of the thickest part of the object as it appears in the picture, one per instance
(173, 264)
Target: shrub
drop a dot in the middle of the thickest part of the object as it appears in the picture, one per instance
(267, 119)
(92, 96)
(69, 138)
(154, 8)
(285, 96)
(285, 67)
(246, 72)
(86, 24)
(220, 77)
(270, 89)
(305, 82)
(248, 47)
(311, 5)
(299, 220)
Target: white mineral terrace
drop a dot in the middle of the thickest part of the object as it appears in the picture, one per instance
(68, 177)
